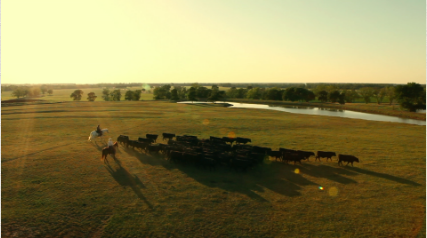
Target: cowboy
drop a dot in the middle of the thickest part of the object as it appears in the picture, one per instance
(98, 130)
(111, 144)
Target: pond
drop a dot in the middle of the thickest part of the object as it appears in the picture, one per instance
(323, 112)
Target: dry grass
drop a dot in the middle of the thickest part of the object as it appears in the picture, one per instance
(54, 183)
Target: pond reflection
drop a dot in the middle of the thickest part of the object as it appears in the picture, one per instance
(321, 111)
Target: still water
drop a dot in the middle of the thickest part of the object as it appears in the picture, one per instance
(324, 112)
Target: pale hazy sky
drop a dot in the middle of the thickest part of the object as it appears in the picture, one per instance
(147, 41)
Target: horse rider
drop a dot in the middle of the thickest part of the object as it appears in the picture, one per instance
(98, 130)
(111, 144)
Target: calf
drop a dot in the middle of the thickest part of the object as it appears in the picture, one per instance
(145, 140)
(325, 154)
(305, 154)
(347, 158)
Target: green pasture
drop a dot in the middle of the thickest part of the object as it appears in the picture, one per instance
(54, 183)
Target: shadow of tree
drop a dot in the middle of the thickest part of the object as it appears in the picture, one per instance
(382, 175)
(124, 178)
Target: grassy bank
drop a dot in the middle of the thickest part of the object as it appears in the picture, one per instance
(382, 109)
(54, 183)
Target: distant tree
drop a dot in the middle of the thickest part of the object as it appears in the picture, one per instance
(350, 95)
(215, 87)
(249, 88)
(274, 93)
(379, 94)
(202, 92)
(290, 94)
(366, 93)
(50, 91)
(91, 96)
(43, 89)
(19, 92)
(137, 95)
(254, 93)
(192, 94)
(334, 96)
(309, 96)
(411, 96)
(116, 95)
(129, 95)
(322, 96)
(106, 94)
(77, 95)
(391, 93)
(174, 94)
(341, 98)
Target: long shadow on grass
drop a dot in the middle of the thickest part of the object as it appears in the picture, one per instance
(328, 172)
(385, 176)
(279, 178)
(124, 178)
(154, 159)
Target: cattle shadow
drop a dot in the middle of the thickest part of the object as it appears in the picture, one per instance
(154, 159)
(328, 172)
(384, 176)
(278, 178)
(124, 178)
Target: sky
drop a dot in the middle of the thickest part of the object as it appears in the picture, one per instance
(222, 41)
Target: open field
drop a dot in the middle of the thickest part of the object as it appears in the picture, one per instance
(54, 183)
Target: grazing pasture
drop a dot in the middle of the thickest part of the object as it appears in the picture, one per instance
(55, 184)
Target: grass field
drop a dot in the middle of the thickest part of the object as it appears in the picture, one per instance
(54, 183)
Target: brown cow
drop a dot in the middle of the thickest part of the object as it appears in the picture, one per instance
(347, 158)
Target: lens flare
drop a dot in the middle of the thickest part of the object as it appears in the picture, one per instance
(321, 188)
(231, 134)
(205, 122)
(296, 171)
(333, 191)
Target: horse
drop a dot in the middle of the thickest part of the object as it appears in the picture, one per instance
(109, 151)
(94, 134)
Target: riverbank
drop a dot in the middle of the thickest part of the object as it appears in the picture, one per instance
(381, 109)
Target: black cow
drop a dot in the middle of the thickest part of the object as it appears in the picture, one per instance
(123, 139)
(240, 140)
(305, 154)
(275, 154)
(324, 154)
(145, 140)
(168, 136)
(216, 140)
(229, 139)
(152, 137)
(347, 158)
(295, 157)
(153, 148)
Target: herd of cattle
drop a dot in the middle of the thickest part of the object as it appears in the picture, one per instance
(215, 151)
